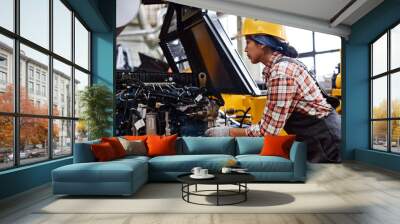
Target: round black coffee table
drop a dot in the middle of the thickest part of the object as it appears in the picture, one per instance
(238, 179)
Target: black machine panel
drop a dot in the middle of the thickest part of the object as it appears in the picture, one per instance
(206, 48)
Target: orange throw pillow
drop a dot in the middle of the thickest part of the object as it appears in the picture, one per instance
(161, 145)
(135, 137)
(277, 145)
(103, 151)
(116, 145)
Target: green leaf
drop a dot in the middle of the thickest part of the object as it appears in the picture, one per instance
(96, 102)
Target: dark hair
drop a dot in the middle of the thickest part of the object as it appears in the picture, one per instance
(275, 44)
(289, 50)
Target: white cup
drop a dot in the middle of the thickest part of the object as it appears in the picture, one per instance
(226, 170)
(203, 172)
(196, 170)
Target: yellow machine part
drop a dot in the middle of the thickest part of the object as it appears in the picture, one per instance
(337, 92)
(338, 81)
(242, 102)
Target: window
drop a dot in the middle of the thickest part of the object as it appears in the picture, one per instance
(3, 78)
(33, 147)
(30, 87)
(3, 61)
(81, 45)
(6, 142)
(3, 72)
(395, 47)
(81, 81)
(62, 74)
(179, 55)
(318, 51)
(55, 102)
(7, 14)
(62, 29)
(30, 72)
(6, 73)
(37, 74)
(62, 137)
(45, 131)
(43, 90)
(34, 21)
(39, 61)
(385, 97)
(37, 89)
(301, 39)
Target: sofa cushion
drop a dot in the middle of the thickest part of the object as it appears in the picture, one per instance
(161, 145)
(185, 163)
(116, 145)
(136, 137)
(275, 145)
(257, 163)
(207, 145)
(112, 171)
(249, 145)
(103, 152)
(134, 147)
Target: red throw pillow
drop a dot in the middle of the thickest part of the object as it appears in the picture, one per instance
(161, 145)
(103, 152)
(277, 145)
(116, 145)
(135, 137)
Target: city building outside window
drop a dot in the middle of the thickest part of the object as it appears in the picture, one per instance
(3, 78)
(38, 89)
(43, 77)
(43, 90)
(30, 72)
(37, 75)
(3, 72)
(30, 87)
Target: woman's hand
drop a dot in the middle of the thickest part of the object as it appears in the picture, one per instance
(225, 131)
(218, 131)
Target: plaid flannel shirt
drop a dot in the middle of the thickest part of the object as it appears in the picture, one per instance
(290, 89)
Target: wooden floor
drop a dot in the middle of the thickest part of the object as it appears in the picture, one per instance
(377, 188)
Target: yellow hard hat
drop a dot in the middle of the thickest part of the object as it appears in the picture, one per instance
(253, 26)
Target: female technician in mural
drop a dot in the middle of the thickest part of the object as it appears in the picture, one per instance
(295, 102)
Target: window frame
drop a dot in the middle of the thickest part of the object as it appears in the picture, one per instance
(314, 53)
(388, 74)
(3, 71)
(16, 114)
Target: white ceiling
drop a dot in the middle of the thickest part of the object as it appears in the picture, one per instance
(316, 15)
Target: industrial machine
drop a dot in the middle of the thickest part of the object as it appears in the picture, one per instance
(206, 71)
(207, 83)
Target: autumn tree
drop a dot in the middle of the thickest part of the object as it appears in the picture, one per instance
(380, 127)
(33, 131)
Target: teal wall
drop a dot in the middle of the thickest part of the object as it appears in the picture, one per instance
(103, 50)
(99, 16)
(24, 178)
(356, 124)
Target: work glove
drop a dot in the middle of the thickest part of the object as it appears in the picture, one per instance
(218, 131)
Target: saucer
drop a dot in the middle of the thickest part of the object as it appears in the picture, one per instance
(208, 176)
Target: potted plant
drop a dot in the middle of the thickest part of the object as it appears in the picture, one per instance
(96, 104)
